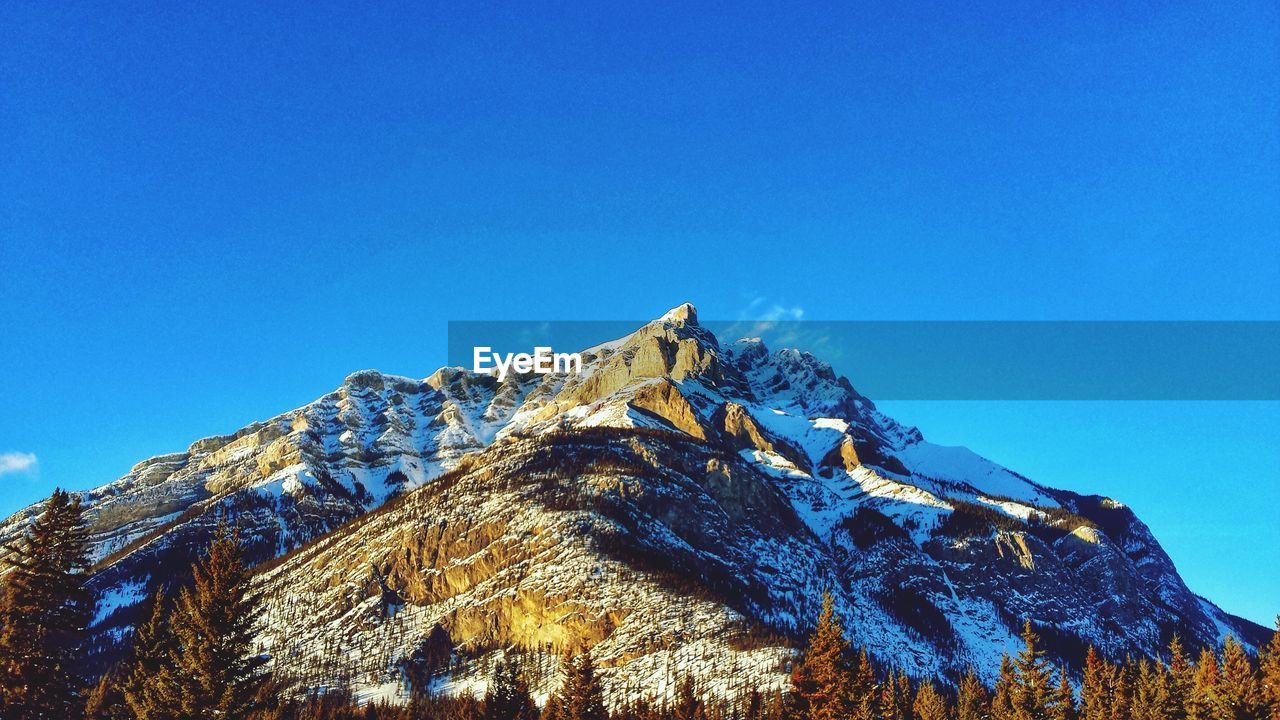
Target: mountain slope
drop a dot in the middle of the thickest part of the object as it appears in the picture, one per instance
(678, 506)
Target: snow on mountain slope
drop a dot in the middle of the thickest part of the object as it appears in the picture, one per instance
(678, 506)
(962, 466)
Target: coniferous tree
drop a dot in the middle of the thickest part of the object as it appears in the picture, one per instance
(688, 706)
(1002, 707)
(1238, 696)
(1151, 698)
(508, 695)
(1141, 699)
(1121, 691)
(906, 696)
(45, 610)
(929, 703)
(147, 685)
(554, 709)
(972, 700)
(1202, 702)
(104, 701)
(753, 707)
(1270, 675)
(1030, 693)
(821, 680)
(1063, 701)
(582, 697)
(863, 691)
(891, 699)
(213, 672)
(775, 708)
(1181, 677)
(1095, 701)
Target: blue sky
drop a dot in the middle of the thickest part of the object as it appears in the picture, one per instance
(209, 216)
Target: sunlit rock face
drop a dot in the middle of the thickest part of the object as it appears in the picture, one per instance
(678, 507)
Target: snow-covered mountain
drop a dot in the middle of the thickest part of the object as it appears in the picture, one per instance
(679, 506)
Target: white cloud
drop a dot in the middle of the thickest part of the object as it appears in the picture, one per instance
(17, 462)
(782, 312)
(772, 322)
(761, 309)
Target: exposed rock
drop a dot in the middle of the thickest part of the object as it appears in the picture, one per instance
(662, 398)
(843, 456)
(738, 424)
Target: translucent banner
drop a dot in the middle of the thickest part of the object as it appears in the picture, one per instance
(980, 360)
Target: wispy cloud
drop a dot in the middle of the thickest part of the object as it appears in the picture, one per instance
(776, 323)
(760, 308)
(17, 462)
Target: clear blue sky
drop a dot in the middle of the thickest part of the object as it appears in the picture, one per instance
(212, 214)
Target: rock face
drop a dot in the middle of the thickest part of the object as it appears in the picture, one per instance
(676, 508)
(625, 542)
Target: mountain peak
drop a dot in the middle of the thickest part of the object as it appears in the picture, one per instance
(682, 314)
(571, 511)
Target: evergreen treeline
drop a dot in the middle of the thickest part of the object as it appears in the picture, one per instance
(192, 658)
(831, 681)
(44, 610)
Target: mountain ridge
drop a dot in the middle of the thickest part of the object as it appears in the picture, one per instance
(933, 553)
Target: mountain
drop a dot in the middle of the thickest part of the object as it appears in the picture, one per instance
(678, 507)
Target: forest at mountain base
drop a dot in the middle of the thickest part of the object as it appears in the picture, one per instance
(194, 659)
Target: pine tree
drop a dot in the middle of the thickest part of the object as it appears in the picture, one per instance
(1095, 701)
(45, 611)
(688, 705)
(1063, 701)
(1181, 677)
(213, 672)
(146, 684)
(1151, 698)
(1121, 691)
(1141, 706)
(906, 696)
(1002, 707)
(775, 707)
(554, 709)
(1030, 693)
(821, 680)
(582, 697)
(1238, 694)
(1270, 680)
(508, 695)
(929, 703)
(864, 695)
(891, 699)
(1202, 702)
(972, 701)
(104, 701)
(753, 708)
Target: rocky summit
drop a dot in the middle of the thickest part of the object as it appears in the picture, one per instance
(679, 507)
